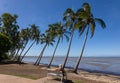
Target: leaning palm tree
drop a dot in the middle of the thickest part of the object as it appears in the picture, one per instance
(47, 40)
(57, 30)
(19, 46)
(87, 22)
(25, 37)
(71, 20)
(35, 36)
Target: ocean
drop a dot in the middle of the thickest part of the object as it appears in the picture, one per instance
(108, 65)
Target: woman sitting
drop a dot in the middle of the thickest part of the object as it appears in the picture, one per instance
(58, 71)
(59, 68)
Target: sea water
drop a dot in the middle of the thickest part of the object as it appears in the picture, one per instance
(109, 65)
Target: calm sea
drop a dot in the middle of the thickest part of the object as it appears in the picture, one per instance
(109, 65)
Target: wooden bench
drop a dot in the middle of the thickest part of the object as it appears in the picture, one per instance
(61, 74)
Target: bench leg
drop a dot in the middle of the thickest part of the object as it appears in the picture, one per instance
(62, 79)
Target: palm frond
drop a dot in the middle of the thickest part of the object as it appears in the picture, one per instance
(69, 14)
(68, 23)
(92, 28)
(81, 14)
(67, 38)
(65, 18)
(86, 7)
(51, 44)
(82, 29)
(101, 22)
(79, 24)
(68, 11)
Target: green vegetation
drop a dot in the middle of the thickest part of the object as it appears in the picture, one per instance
(10, 28)
(33, 34)
(23, 76)
(58, 31)
(77, 81)
(5, 45)
(87, 21)
(47, 40)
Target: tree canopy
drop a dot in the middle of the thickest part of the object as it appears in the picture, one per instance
(5, 45)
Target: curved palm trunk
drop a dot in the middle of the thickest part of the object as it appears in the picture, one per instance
(54, 52)
(40, 56)
(27, 51)
(70, 42)
(17, 52)
(13, 53)
(80, 57)
(14, 58)
(22, 51)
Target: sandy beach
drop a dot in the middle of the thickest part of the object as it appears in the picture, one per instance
(28, 73)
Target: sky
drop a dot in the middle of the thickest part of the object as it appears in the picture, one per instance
(105, 42)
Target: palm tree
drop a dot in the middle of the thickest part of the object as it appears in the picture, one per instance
(70, 18)
(35, 36)
(87, 21)
(57, 30)
(48, 40)
(25, 37)
(19, 46)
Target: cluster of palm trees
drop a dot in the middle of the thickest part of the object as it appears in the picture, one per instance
(81, 20)
(29, 34)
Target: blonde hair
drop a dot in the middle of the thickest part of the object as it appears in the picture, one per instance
(60, 65)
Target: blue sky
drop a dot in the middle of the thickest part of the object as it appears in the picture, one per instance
(43, 12)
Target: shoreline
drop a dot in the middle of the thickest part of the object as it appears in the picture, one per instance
(108, 65)
(87, 70)
(39, 72)
(101, 77)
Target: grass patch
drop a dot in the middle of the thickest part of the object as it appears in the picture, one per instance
(29, 77)
(23, 76)
(77, 81)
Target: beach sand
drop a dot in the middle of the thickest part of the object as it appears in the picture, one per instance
(15, 73)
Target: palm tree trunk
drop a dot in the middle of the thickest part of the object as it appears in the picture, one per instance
(17, 52)
(80, 57)
(70, 42)
(40, 56)
(26, 51)
(54, 52)
(14, 58)
(22, 51)
(13, 53)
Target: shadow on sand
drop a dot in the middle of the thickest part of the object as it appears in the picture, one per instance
(64, 81)
(9, 62)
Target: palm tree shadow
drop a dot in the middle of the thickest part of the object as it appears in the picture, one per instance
(5, 62)
(64, 81)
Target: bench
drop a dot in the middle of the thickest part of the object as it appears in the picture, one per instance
(60, 74)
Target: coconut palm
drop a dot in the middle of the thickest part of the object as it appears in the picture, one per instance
(18, 46)
(35, 36)
(70, 19)
(47, 40)
(87, 22)
(25, 37)
(57, 30)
